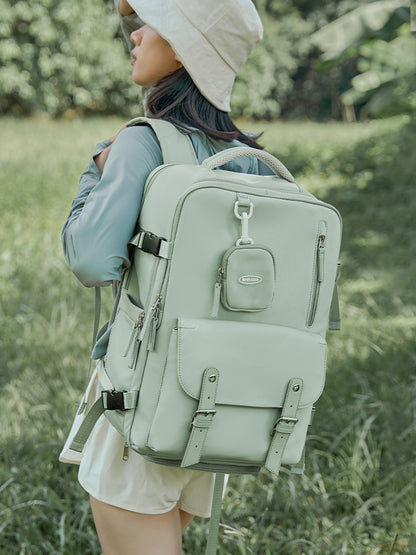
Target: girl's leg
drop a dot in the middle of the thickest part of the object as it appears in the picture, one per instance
(124, 532)
(186, 519)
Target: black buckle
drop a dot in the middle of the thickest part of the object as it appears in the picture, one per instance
(113, 400)
(151, 243)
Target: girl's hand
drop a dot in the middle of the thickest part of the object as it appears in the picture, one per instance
(101, 158)
(125, 8)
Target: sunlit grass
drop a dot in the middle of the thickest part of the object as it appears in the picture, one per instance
(358, 493)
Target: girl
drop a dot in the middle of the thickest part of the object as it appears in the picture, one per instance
(186, 54)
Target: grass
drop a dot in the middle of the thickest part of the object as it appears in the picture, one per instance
(358, 493)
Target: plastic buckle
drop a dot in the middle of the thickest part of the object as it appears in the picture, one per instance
(151, 243)
(244, 217)
(113, 400)
(244, 205)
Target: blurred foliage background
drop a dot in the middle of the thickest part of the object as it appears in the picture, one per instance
(346, 59)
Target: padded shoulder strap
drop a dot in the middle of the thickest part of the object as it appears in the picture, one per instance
(176, 147)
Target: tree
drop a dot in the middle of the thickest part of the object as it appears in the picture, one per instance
(378, 36)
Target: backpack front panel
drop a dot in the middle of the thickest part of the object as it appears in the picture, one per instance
(203, 227)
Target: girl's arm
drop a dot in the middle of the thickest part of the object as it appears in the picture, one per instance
(104, 213)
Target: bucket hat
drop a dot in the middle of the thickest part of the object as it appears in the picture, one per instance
(212, 38)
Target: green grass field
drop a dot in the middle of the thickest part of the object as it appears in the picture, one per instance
(358, 494)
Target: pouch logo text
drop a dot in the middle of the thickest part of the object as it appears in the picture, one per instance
(250, 279)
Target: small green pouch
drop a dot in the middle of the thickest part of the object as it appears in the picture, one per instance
(249, 278)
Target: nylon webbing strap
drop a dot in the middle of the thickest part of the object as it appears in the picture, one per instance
(176, 147)
(299, 467)
(284, 425)
(109, 400)
(87, 425)
(202, 418)
(97, 314)
(214, 523)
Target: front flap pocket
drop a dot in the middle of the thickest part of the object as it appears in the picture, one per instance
(249, 277)
(255, 361)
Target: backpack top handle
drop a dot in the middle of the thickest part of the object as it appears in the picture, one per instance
(229, 154)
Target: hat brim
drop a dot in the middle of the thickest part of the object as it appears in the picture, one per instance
(211, 74)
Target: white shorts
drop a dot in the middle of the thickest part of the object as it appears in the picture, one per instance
(137, 484)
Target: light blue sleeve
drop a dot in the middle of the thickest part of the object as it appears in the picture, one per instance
(105, 211)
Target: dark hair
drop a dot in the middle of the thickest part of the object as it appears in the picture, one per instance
(177, 99)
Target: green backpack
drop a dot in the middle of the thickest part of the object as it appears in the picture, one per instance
(217, 349)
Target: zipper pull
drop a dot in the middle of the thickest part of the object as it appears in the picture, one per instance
(137, 326)
(217, 293)
(154, 322)
(125, 452)
(137, 341)
(321, 258)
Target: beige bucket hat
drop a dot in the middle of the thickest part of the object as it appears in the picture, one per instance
(212, 38)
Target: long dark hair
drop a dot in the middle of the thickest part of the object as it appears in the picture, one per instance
(177, 99)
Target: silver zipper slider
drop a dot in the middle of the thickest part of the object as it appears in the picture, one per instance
(137, 328)
(125, 452)
(147, 321)
(154, 322)
(139, 324)
(156, 307)
(320, 261)
(217, 293)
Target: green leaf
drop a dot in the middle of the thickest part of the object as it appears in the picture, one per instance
(360, 24)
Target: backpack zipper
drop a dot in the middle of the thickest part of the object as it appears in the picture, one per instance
(217, 292)
(151, 321)
(125, 452)
(135, 341)
(154, 322)
(318, 273)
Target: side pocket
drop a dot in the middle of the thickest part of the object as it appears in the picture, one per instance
(124, 344)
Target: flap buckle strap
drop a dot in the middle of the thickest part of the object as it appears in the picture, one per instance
(202, 418)
(284, 425)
